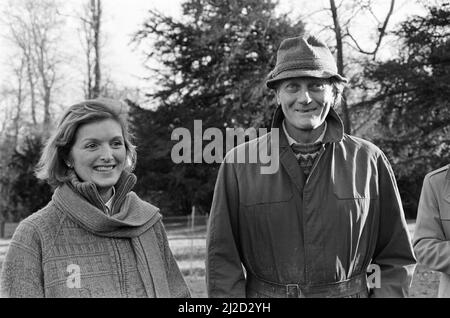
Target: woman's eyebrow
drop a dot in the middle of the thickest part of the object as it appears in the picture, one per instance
(95, 139)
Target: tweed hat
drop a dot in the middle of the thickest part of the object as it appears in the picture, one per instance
(303, 57)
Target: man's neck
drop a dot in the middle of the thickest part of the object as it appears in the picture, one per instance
(305, 136)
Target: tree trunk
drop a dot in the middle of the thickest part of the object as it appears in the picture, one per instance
(340, 64)
(31, 83)
(16, 120)
(47, 101)
(97, 12)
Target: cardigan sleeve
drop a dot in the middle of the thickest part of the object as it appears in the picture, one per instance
(21, 274)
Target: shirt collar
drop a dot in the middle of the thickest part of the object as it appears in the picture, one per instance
(109, 203)
(292, 141)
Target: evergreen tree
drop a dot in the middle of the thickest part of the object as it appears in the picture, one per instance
(215, 63)
(414, 95)
(28, 194)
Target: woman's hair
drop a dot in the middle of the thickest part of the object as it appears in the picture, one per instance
(52, 165)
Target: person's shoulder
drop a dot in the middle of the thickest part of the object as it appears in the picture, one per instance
(151, 211)
(46, 215)
(39, 222)
(252, 146)
(438, 174)
(136, 199)
(362, 144)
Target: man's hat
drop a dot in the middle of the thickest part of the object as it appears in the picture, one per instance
(303, 57)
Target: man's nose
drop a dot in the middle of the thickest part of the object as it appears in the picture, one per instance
(303, 97)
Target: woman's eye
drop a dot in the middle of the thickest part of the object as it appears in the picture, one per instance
(117, 143)
(91, 146)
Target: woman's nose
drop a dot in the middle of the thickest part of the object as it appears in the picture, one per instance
(107, 154)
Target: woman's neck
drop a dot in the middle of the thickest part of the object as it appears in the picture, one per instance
(105, 193)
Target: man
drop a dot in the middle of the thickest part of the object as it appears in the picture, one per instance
(329, 214)
(432, 233)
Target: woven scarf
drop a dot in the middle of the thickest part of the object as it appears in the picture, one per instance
(131, 218)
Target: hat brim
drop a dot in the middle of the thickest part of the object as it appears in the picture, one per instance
(271, 83)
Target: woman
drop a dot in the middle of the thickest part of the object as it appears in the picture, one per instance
(432, 234)
(96, 238)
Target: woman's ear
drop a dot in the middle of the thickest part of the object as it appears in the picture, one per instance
(68, 162)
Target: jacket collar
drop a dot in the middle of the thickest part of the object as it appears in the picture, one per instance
(334, 132)
(88, 190)
(133, 216)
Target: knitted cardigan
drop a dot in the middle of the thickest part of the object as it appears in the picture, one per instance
(61, 252)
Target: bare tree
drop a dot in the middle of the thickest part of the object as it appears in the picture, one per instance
(340, 61)
(34, 30)
(19, 101)
(340, 35)
(22, 38)
(91, 23)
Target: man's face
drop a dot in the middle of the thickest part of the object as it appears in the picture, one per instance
(305, 101)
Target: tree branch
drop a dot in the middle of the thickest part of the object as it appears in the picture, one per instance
(380, 37)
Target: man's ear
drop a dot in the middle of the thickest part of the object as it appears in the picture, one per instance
(277, 96)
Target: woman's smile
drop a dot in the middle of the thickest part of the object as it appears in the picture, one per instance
(104, 168)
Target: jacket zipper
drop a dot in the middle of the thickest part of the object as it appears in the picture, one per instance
(315, 165)
(303, 207)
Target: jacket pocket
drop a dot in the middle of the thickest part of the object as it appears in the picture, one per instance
(444, 208)
(352, 204)
(267, 196)
(444, 214)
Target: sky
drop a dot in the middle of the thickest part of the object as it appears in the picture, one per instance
(124, 65)
(123, 17)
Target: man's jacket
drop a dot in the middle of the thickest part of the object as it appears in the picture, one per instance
(289, 229)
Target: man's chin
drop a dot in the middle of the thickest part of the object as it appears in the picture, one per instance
(307, 126)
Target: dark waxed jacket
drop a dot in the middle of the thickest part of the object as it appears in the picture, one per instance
(285, 228)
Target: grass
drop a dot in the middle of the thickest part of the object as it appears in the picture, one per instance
(190, 256)
(424, 284)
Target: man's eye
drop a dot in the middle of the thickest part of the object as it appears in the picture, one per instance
(317, 86)
(291, 87)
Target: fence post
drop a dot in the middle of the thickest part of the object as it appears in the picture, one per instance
(192, 239)
(2, 228)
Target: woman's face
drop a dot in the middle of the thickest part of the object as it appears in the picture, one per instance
(98, 154)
